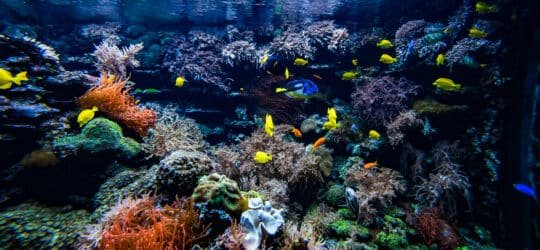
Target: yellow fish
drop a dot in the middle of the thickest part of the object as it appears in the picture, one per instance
(332, 114)
(287, 73)
(349, 75)
(373, 134)
(262, 157)
(6, 79)
(385, 44)
(264, 59)
(332, 123)
(86, 115)
(280, 90)
(484, 8)
(269, 125)
(387, 59)
(180, 81)
(446, 84)
(354, 62)
(439, 60)
(477, 33)
(300, 62)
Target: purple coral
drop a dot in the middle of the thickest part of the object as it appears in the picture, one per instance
(382, 99)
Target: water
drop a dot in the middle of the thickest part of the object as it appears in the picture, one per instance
(268, 124)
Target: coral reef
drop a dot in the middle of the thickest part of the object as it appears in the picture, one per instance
(114, 60)
(462, 49)
(232, 238)
(112, 97)
(434, 229)
(39, 158)
(395, 129)
(259, 218)
(239, 52)
(282, 108)
(220, 192)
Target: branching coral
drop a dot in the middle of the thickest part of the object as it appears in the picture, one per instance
(381, 99)
(239, 52)
(374, 187)
(115, 60)
(112, 97)
(434, 229)
(232, 238)
(395, 129)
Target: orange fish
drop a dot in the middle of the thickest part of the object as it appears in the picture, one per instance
(297, 133)
(371, 165)
(318, 77)
(319, 142)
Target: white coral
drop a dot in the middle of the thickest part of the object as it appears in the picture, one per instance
(115, 60)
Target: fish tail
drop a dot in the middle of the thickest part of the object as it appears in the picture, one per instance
(95, 109)
(458, 86)
(20, 77)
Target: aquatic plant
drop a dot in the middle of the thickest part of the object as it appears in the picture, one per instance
(381, 99)
(114, 60)
(434, 229)
(220, 192)
(395, 129)
(112, 97)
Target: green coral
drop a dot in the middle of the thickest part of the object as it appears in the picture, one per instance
(348, 228)
(395, 232)
(335, 195)
(98, 136)
(391, 240)
(33, 226)
(220, 192)
(346, 213)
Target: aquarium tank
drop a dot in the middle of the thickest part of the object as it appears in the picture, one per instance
(269, 124)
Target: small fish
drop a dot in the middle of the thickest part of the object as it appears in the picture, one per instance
(439, 60)
(300, 62)
(7, 79)
(86, 115)
(385, 44)
(387, 59)
(287, 73)
(180, 81)
(319, 142)
(301, 89)
(331, 123)
(262, 157)
(477, 33)
(371, 165)
(331, 114)
(526, 190)
(446, 84)
(242, 89)
(296, 132)
(264, 59)
(318, 77)
(349, 75)
(354, 62)
(146, 91)
(373, 134)
(137, 101)
(485, 8)
(280, 90)
(269, 125)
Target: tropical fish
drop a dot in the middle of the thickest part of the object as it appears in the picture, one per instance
(301, 89)
(296, 132)
(6, 78)
(349, 75)
(280, 90)
(331, 123)
(371, 165)
(287, 73)
(319, 142)
(387, 59)
(439, 60)
(432, 38)
(180, 81)
(146, 91)
(446, 84)
(269, 125)
(354, 62)
(300, 62)
(332, 114)
(485, 8)
(86, 115)
(385, 44)
(318, 77)
(264, 59)
(469, 61)
(373, 134)
(477, 33)
(526, 190)
(262, 157)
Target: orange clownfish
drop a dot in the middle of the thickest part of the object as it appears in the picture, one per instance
(371, 165)
(319, 142)
(296, 132)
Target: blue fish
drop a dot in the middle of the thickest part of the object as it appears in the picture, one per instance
(526, 190)
(301, 89)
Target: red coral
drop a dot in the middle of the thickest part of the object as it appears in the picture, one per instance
(112, 97)
(434, 229)
(144, 226)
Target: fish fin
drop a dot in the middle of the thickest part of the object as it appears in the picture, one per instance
(22, 77)
(95, 109)
(458, 86)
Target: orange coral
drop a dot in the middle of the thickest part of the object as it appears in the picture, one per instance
(144, 226)
(112, 97)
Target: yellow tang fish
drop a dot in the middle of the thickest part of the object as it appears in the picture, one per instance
(262, 157)
(385, 44)
(354, 62)
(446, 84)
(269, 125)
(280, 90)
(86, 115)
(287, 73)
(300, 62)
(264, 59)
(373, 134)
(477, 33)
(439, 60)
(332, 120)
(6, 79)
(349, 75)
(485, 8)
(180, 81)
(387, 59)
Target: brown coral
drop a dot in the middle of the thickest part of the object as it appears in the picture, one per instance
(434, 229)
(40, 158)
(233, 237)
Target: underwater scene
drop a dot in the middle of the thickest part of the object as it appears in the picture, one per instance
(269, 124)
